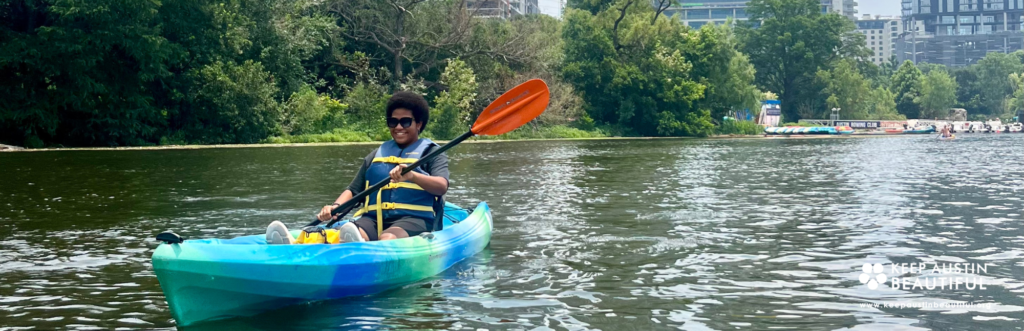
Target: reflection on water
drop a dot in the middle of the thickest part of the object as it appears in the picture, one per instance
(613, 235)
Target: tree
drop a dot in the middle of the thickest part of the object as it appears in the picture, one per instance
(234, 103)
(452, 107)
(881, 105)
(993, 84)
(906, 88)
(968, 95)
(794, 41)
(938, 94)
(78, 72)
(1015, 103)
(727, 73)
(632, 73)
(845, 88)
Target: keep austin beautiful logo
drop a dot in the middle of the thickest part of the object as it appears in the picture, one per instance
(968, 275)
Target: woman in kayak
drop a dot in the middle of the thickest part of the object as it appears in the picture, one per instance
(406, 206)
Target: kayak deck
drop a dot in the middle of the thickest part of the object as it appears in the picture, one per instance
(210, 279)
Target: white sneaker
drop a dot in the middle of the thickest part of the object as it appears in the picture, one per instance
(350, 233)
(277, 234)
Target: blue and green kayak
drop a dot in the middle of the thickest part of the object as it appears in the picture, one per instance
(211, 279)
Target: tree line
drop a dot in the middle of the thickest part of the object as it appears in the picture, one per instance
(120, 72)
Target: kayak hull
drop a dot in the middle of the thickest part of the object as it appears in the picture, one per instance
(213, 279)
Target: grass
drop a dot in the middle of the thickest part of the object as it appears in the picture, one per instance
(526, 132)
(551, 132)
(335, 136)
(739, 127)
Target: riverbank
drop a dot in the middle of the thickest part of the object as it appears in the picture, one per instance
(471, 141)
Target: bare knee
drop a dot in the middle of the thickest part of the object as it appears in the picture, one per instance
(393, 233)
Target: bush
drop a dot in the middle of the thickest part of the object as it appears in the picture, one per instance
(550, 132)
(366, 104)
(799, 124)
(335, 136)
(452, 107)
(303, 112)
(739, 127)
(234, 104)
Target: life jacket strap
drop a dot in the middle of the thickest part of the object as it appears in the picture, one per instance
(392, 186)
(392, 206)
(394, 160)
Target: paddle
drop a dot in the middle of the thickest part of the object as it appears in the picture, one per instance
(508, 112)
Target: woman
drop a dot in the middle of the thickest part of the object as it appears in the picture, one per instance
(404, 208)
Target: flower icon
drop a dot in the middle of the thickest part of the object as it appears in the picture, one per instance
(867, 278)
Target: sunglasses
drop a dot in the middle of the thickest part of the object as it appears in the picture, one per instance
(404, 121)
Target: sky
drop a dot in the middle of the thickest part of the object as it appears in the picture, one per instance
(873, 7)
(551, 7)
(877, 7)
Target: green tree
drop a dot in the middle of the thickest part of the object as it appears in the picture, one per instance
(234, 103)
(847, 89)
(968, 95)
(1015, 103)
(630, 72)
(906, 88)
(78, 72)
(938, 94)
(727, 73)
(993, 84)
(453, 106)
(794, 41)
(304, 112)
(882, 105)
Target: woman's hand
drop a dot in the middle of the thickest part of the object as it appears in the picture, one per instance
(325, 213)
(396, 174)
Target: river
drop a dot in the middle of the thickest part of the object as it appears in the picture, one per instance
(603, 234)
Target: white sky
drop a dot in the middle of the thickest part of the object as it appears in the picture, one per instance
(873, 7)
(551, 7)
(878, 7)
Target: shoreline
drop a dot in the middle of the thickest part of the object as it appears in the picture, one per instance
(485, 141)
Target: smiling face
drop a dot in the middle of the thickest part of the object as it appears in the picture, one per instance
(405, 135)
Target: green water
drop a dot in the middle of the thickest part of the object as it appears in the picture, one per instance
(610, 235)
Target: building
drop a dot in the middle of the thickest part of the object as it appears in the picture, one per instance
(696, 13)
(959, 32)
(880, 35)
(503, 9)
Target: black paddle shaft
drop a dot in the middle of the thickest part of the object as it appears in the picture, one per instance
(346, 207)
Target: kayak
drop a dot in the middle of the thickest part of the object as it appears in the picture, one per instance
(947, 138)
(211, 279)
(786, 130)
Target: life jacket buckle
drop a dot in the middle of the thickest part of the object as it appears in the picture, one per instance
(387, 205)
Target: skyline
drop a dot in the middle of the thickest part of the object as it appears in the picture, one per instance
(873, 7)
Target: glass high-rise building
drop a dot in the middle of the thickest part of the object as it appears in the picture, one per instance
(960, 32)
(696, 13)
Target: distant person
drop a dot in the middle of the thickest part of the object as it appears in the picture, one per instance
(407, 206)
(945, 132)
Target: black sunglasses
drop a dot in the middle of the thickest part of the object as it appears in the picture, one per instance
(405, 121)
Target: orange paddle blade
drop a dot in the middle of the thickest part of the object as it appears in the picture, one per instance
(511, 110)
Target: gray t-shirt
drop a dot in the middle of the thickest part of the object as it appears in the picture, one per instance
(436, 167)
